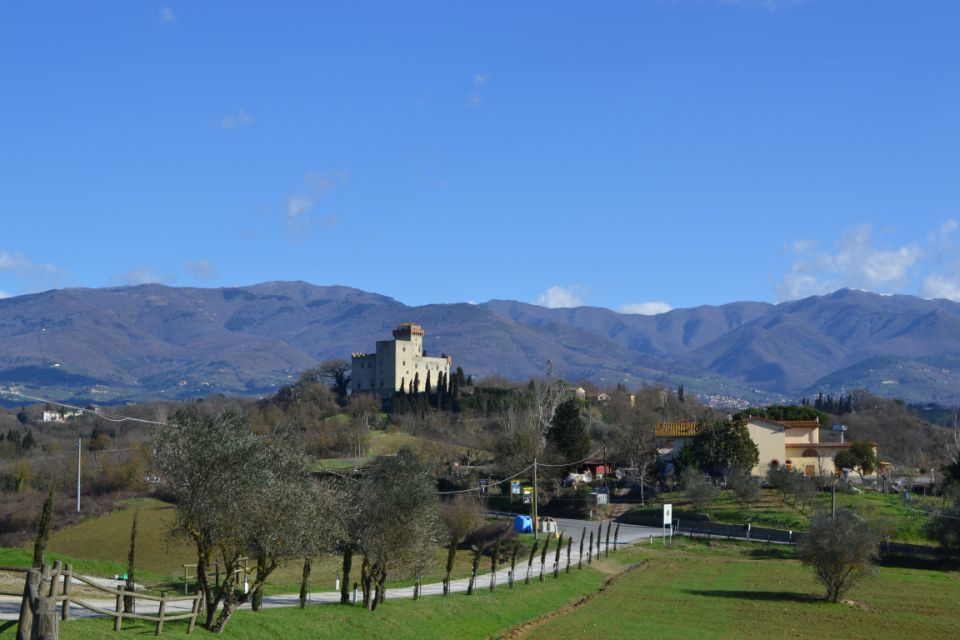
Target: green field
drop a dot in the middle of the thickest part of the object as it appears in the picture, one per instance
(99, 546)
(886, 512)
(739, 591)
(457, 616)
(385, 442)
(689, 590)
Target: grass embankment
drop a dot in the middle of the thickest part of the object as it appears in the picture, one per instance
(385, 442)
(482, 615)
(744, 591)
(99, 547)
(689, 590)
(887, 512)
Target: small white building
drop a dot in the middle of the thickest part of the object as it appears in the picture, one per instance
(396, 364)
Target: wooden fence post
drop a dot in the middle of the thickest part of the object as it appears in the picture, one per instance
(195, 610)
(118, 618)
(163, 609)
(30, 586)
(67, 580)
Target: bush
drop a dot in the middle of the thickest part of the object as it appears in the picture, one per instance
(745, 487)
(841, 550)
(700, 490)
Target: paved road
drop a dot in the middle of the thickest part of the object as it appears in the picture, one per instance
(629, 534)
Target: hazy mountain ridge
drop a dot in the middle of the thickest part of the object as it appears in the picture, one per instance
(156, 341)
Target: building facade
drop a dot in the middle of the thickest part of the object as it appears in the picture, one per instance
(794, 444)
(398, 364)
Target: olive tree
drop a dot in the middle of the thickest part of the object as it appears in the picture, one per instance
(235, 493)
(841, 550)
(699, 488)
(461, 515)
(401, 522)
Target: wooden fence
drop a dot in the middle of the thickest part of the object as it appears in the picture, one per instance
(47, 586)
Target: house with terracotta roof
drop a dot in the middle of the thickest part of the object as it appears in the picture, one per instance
(794, 444)
(673, 436)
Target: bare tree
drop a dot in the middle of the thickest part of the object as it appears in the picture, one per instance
(336, 373)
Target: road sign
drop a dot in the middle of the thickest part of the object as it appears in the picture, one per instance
(667, 514)
(839, 427)
(515, 487)
(484, 483)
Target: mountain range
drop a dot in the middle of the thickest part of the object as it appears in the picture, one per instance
(154, 341)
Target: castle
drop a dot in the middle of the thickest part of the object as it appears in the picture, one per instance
(398, 363)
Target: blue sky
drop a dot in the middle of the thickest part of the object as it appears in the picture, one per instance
(634, 155)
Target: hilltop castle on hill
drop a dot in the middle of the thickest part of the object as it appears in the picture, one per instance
(397, 364)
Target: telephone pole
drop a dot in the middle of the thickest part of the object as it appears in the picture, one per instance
(79, 450)
(536, 520)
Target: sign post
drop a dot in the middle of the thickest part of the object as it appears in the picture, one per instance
(667, 522)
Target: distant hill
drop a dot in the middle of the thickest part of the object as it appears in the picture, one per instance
(154, 341)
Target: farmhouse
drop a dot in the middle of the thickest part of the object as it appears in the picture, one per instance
(795, 444)
(397, 364)
(791, 443)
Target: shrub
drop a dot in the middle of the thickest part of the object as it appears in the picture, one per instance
(841, 550)
(700, 490)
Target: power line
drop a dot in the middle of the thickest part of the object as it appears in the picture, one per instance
(570, 464)
(447, 493)
(96, 412)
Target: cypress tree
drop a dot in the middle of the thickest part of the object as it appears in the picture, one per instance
(43, 530)
(543, 555)
(129, 601)
(556, 557)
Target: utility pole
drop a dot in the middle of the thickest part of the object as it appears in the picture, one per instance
(833, 499)
(606, 472)
(79, 450)
(536, 520)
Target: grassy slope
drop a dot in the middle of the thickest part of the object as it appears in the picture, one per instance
(383, 442)
(886, 511)
(458, 616)
(728, 590)
(732, 591)
(103, 544)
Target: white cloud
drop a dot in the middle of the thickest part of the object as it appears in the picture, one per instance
(4, 294)
(201, 269)
(855, 263)
(561, 297)
(166, 15)
(297, 213)
(938, 285)
(944, 280)
(38, 274)
(232, 121)
(143, 275)
(651, 308)
(480, 80)
(947, 229)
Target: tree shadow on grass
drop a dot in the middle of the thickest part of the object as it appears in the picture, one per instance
(775, 553)
(10, 624)
(767, 596)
